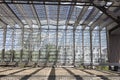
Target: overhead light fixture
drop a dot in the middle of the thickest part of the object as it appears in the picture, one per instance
(90, 7)
(100, 2)
(109, 3)
(65, 3)
(79, 7)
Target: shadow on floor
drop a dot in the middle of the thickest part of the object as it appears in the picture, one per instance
(101, 76)
(77, 77)
(5, 70)
(13, 72)
(26, 77)
(18, 71)
(52, 75)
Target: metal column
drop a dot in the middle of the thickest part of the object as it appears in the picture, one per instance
(39, 54)
(65, 42)
(4, 42)
(56, 46)
(83, 46)
(100, 46)
(31, 47)
(12, 51)
(74, 47)
(91, 52)
(108, 43)
(57, 34)
(21, 51)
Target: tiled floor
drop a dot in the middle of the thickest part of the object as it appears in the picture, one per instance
(55, 74)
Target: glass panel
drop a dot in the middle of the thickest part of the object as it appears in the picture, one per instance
(96, 46)
(86, 46)
(50, 45)
(104, 45)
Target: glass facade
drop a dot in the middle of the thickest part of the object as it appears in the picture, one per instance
(67, 34)
(48, 44)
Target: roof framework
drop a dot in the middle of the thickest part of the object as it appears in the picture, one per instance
(60, 12)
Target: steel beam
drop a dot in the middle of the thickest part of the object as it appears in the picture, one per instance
(2, 22)
(98, 21)
(106, 23)
(11, 12)
(102, 17)
(21, 10)
(5, 17)
(106, 12)
(91, 17)
(46, 12)
(35, 15)
(80, 17)
(55, 2)
(69, 16)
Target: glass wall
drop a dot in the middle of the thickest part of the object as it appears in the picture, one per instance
(96, 45)
(49, 44)
(1, 42)
(87, 56)
(104, 57)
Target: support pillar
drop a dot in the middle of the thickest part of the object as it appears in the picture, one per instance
(108, 47)
(30, 55)
(40, 39)
(82, 46)
(12, 55)
(91, 52)
(108, 43)
(65, 56)
(4, 42)
(22, 42)
(56, 47)
(65, 50)
(2, 55)
(100, 58)
(12, 50)
(21, 55)
(39, 54)
(30, 47)
(74, 47)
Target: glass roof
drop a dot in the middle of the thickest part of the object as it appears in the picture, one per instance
(48, 14)
(56, 13)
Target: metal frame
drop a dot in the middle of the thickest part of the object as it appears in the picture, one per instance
(74, 4)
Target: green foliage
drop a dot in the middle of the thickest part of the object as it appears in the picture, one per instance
(106, 68)
(81, 67)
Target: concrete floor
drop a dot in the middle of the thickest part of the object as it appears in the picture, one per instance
(55, 74)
